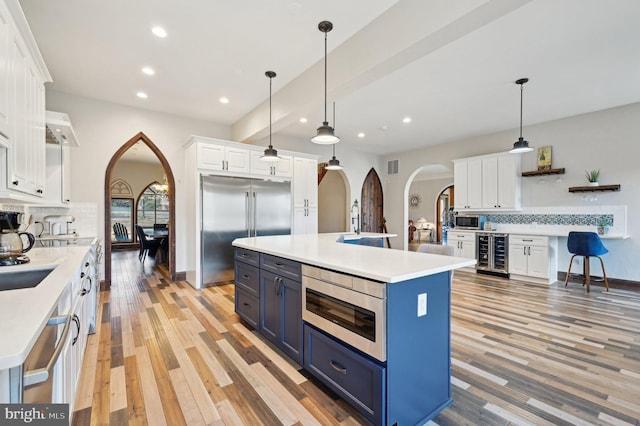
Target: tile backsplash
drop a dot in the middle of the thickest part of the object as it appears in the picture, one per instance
(85, 214)
(560, 220)
(553, 219)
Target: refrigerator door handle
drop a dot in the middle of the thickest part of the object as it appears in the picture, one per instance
(246, 214)
(255, 215)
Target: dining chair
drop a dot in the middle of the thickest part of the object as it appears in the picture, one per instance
(148, 246)
(436, 249)
(121, 232)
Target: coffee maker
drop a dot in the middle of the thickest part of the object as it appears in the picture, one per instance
(12, 248)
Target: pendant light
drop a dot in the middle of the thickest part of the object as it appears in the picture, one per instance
(325, 134)
(270, 154)
(334, 163)
(521, 145)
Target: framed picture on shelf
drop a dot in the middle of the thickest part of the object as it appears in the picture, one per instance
(544, 158)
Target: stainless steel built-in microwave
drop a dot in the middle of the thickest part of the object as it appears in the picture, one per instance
(470, 221)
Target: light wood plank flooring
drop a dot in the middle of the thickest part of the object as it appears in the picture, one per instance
(522, 354)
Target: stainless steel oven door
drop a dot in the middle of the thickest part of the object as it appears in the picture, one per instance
(353, 317)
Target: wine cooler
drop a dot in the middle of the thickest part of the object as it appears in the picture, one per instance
(492, 253)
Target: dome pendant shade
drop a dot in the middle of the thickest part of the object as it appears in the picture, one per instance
(334, 164)
(521, 145)
(270, 154)
(325, 135)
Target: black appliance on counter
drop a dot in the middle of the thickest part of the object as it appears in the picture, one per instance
(492, 253)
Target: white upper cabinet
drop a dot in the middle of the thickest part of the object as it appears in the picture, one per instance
(281, 168)
(5, 73)
(501, 182)
(467, 180)
(223, 158)
(22, 107)
(488, 182)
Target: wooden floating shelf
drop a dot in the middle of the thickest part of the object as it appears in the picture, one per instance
(544, 172)
(599, 188)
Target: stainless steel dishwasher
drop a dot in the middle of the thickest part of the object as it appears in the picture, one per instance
(492, 253)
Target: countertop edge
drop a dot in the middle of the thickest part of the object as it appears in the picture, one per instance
(442, 263)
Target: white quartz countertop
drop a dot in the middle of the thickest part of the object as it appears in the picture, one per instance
(379, 264)
(24, 312)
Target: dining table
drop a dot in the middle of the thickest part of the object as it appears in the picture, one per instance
(162, 235)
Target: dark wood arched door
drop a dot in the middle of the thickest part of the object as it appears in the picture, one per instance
(371, 209)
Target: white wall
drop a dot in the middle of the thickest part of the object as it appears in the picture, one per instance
(138, 174)
(428, 190)
(332, 203)
(605, 140)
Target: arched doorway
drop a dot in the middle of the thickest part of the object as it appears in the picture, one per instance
(140, 137)
(371, 210)
(333, 201)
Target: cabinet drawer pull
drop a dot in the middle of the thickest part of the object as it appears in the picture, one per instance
(336, 366)
(527, 240)
(40, 375)
(16, 182)
(77, 321)
(245, 276)
(246, 304)
(279, 265)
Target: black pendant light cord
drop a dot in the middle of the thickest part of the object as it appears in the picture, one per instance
(521, 91)
(325, 78)
(334, 126)
(271, 81)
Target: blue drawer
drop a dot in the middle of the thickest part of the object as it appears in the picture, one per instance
(283, 267)
(247, 256)
(248, 307)
(356, 378)
(247, 277)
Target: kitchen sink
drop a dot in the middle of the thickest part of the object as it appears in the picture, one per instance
(23, 279)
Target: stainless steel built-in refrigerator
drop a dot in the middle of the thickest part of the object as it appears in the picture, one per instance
(235, 208)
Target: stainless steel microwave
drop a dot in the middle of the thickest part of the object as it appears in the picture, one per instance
(470, 221)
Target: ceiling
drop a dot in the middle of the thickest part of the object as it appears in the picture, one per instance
(450, 66)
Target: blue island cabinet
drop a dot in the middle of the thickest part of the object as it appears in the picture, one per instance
(414, 383)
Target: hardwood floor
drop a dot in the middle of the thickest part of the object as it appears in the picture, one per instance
(522, 354)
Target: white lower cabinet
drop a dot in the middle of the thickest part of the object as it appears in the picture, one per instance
(464, 243)
(533, 256)
(305, 220)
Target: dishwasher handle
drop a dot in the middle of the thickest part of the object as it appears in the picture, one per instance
(40, 375)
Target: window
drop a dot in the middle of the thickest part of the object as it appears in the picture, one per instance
(122, 220)
(153, 206)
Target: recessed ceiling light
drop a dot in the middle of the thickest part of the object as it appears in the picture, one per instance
(224, 100)
(303, 120)
(142, 95)
(159, 32)
(58, 130)
(148, 71)
(406, 120)
(361, 135)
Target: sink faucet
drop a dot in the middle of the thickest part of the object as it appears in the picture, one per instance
(355, 217)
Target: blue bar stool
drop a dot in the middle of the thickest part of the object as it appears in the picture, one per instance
(586, 244)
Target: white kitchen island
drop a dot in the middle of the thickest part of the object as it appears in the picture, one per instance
(373, 324)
